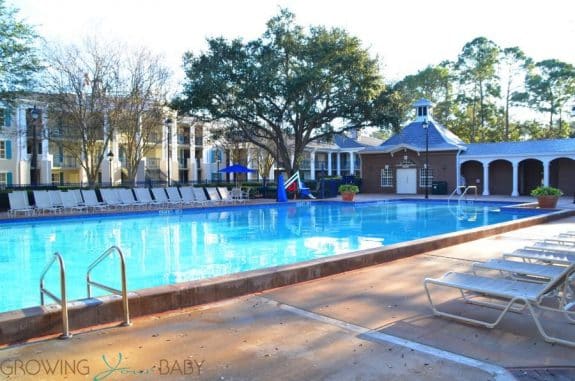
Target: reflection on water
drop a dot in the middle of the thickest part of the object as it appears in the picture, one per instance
(170, 248)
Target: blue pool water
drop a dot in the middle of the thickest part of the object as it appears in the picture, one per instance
(166, 248)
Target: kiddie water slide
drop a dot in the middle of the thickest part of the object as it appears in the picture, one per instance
(293, 183)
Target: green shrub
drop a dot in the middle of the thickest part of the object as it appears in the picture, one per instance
(348, 188)
(546, 191)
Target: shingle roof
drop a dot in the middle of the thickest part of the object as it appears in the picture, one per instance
(535, 147)
(343, 141)
(413, 135)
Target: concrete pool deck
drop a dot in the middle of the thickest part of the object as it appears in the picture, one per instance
(368, 324)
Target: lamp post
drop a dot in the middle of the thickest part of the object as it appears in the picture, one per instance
(35, 114)
(168, 124)
(425, 126)
(110, 156)
(218, 167)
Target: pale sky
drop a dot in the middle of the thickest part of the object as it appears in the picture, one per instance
(406, 35)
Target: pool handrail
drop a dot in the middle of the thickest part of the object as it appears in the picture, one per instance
(63, 300)
(123, 293)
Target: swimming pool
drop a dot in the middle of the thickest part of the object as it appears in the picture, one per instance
(169, 247)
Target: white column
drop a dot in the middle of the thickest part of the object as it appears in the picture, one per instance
(312, 164)
(338, 164)
(515, 191)
(329, 163)
(485, 178)
(545, 172)
(250, 174)
(351, 163)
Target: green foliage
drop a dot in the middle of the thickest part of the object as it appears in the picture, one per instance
(546, 191)
(286, 88)
(18, 60)
(550, 84)
(348, 188)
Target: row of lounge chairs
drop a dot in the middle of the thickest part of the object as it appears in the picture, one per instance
(539, 278)
(56, 201)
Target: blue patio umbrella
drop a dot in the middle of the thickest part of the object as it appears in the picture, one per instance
(236, 168)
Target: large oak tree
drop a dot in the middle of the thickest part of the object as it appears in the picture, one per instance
(288, 87)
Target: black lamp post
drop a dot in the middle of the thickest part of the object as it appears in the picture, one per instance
(35, 114)
(110, 156)
(425, 126)
(168, 123)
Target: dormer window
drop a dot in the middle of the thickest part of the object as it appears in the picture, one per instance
(422, 111)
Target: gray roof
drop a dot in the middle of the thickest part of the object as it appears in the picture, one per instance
(413, 136)
(534, 147)
(343, 141)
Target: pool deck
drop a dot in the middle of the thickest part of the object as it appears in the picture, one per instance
(374, 323)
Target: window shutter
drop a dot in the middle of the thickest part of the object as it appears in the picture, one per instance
(8, 149)
(9, 178)
(7, 116)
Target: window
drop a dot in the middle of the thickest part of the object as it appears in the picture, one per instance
(386, 177)
(5, 178)
(3, 117)
(5, 149)
(422, 178)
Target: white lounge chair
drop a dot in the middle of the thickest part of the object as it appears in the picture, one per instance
(188, 197)
(143, 196)
(91, 200)
(19, 203)
(128, 200)
(69, 202)
(200, 196)
(43, 202)
(55, 198)
(111, 198)
(213, 195)
(542, 255)
(174, 196)
(161, 197)
(509, 294)
(225, 195)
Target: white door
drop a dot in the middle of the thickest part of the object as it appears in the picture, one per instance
(407, 181)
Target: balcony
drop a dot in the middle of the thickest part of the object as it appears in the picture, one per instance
(153, 163)
(65, 162)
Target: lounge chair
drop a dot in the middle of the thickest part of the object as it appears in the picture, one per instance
(128, 200)
(200, 196)
(77, 193)
(19, 203)
(509, 294)
(143, 196)
(213, 195)
(161, 197)
(188, 197)
(111, 198)
(91, 200)
(69, 202)
(174, 196)
(55, 198)
(43, 202)
(225, 195)
(542, 255)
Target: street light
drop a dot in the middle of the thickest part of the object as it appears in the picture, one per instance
(110, 156)
(168, 123)
(35, 114)
(425, 126)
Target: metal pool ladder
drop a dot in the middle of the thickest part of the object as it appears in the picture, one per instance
(63, 300)
(123, 292)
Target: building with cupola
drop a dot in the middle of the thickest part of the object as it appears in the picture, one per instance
(425, 154)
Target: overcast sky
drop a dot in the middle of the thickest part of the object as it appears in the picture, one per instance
(407, 35)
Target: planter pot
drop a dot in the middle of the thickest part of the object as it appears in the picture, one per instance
(547, 202)
(347, 196)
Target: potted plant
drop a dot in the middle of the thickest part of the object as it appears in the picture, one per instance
(546, 196)
(348, 191)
